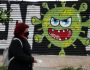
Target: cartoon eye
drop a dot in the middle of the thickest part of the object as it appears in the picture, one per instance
(54, 22)
(66, 22)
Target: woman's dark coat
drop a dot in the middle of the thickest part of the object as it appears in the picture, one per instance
(23, 59)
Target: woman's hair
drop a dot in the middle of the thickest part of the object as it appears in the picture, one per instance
(20, 28)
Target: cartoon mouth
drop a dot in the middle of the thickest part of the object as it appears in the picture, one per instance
(60, 35)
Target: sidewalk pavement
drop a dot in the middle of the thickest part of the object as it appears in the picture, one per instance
(55, 62)
(44, 68)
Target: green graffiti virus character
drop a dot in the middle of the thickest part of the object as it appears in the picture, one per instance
(62, 26)
(4, 16)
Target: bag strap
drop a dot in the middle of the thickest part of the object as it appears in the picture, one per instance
(18, 40)
(21, 45)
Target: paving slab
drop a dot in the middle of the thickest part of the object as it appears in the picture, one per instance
(44, 68)
(59, 61)
(55, 62)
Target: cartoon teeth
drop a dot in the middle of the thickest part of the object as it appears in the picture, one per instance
(63, 31)
(60, 35)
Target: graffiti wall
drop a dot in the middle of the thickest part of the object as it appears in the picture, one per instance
(60, 28)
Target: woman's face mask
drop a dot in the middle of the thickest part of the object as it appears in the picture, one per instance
(26, 34)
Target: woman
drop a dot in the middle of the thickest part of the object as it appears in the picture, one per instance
(21, 51)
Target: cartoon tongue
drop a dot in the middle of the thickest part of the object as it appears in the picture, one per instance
(60, 34)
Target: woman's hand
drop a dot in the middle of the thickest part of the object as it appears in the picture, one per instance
(35, 61)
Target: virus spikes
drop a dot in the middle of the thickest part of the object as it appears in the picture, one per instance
(63, 3)
(1, 9)
(73, 5)
(42, 14)
(35, 20)
(45, 5)
(8, 11)
(83, 7)
(55, 5)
